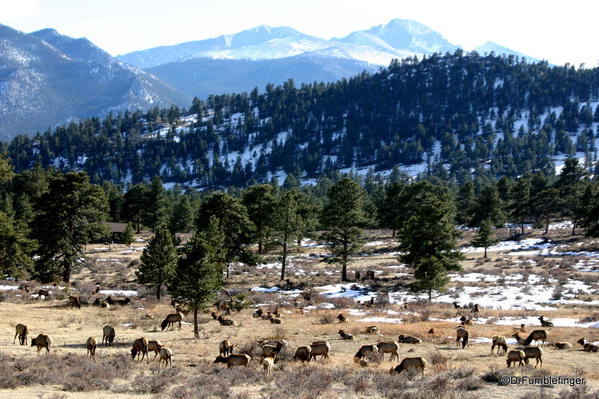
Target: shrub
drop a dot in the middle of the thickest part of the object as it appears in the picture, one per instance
(470, 384)
(239, 302)
(308, 383)
(495, 374)
(327, 318)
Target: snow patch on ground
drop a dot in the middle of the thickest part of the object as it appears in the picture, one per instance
(529, 243)
(118, 292)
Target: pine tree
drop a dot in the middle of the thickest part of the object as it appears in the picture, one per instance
(520, 204)
(68, 216)
(343, 217)
(181, 220)
(389, 212)
(484, 237)
(488, 206)
(128, 237)
(569, 184)
(428, 243)
(157, 205)
(158, 261)
(260, 201)
(198, 275)
(587, 213)
(15, 249)
(287, 224)
(234, 221)
(465, 202)
(135, 205)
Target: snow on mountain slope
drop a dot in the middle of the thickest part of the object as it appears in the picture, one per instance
(376, 46)
(47, 79)
(491, 47)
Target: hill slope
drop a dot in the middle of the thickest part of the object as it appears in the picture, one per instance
(450, 116)
(47, 78)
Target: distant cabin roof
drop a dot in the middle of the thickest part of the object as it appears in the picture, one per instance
(115, 227)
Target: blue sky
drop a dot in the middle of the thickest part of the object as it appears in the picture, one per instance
(559, 31)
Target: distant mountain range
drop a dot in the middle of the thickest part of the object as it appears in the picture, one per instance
(47, 78)
(255, 57)
(377, 46)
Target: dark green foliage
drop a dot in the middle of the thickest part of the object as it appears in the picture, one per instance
(428, 241)
(181, 220)
(343, 217)
(68, 217)
(156, 209)
(389, 212)
(158, 261)
(488, 206)
(569, 184)
(287, 223)
(15, 249)
(233, 219)
(484, 237)
(260, 202)
(395, 116)
(135, 205)
(128, 236)
(198, 275)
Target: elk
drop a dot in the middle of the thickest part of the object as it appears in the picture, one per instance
(21, 332)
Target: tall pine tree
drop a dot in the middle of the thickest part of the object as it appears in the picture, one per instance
(428, 243)
(344, 217)
(198, 275)
(158, 261)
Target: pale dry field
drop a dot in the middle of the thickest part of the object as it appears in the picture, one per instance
(456, 374)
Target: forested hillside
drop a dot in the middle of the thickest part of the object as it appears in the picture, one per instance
(450, 116)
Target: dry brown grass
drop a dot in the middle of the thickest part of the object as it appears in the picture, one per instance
(452, 373)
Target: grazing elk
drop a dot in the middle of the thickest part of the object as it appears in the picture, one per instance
(410, 363)
(108, 335)
(500, 343)
(140, 346)
(74, 301)
(462, 335)
(42, 341)
(234, 360)
(91, 345)
(21, 332)
(170, 321)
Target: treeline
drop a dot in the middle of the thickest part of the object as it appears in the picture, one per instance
(462, 114)
(47, 216)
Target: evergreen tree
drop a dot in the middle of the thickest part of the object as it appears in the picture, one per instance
(343, 217)
(488, 206)
(569, 185)
(68, 217)
(181, 220)
(465, 202)
(520, 203)
(589, 209)
(235, 224)
(484, 237)
(198, 275)
(128, 237)
(15, 249)
(157, 205)
(389, 210)
(158, 261)
(135, 204)
(547, 204)
(428, 243)
(287, 224)
(260, 202)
